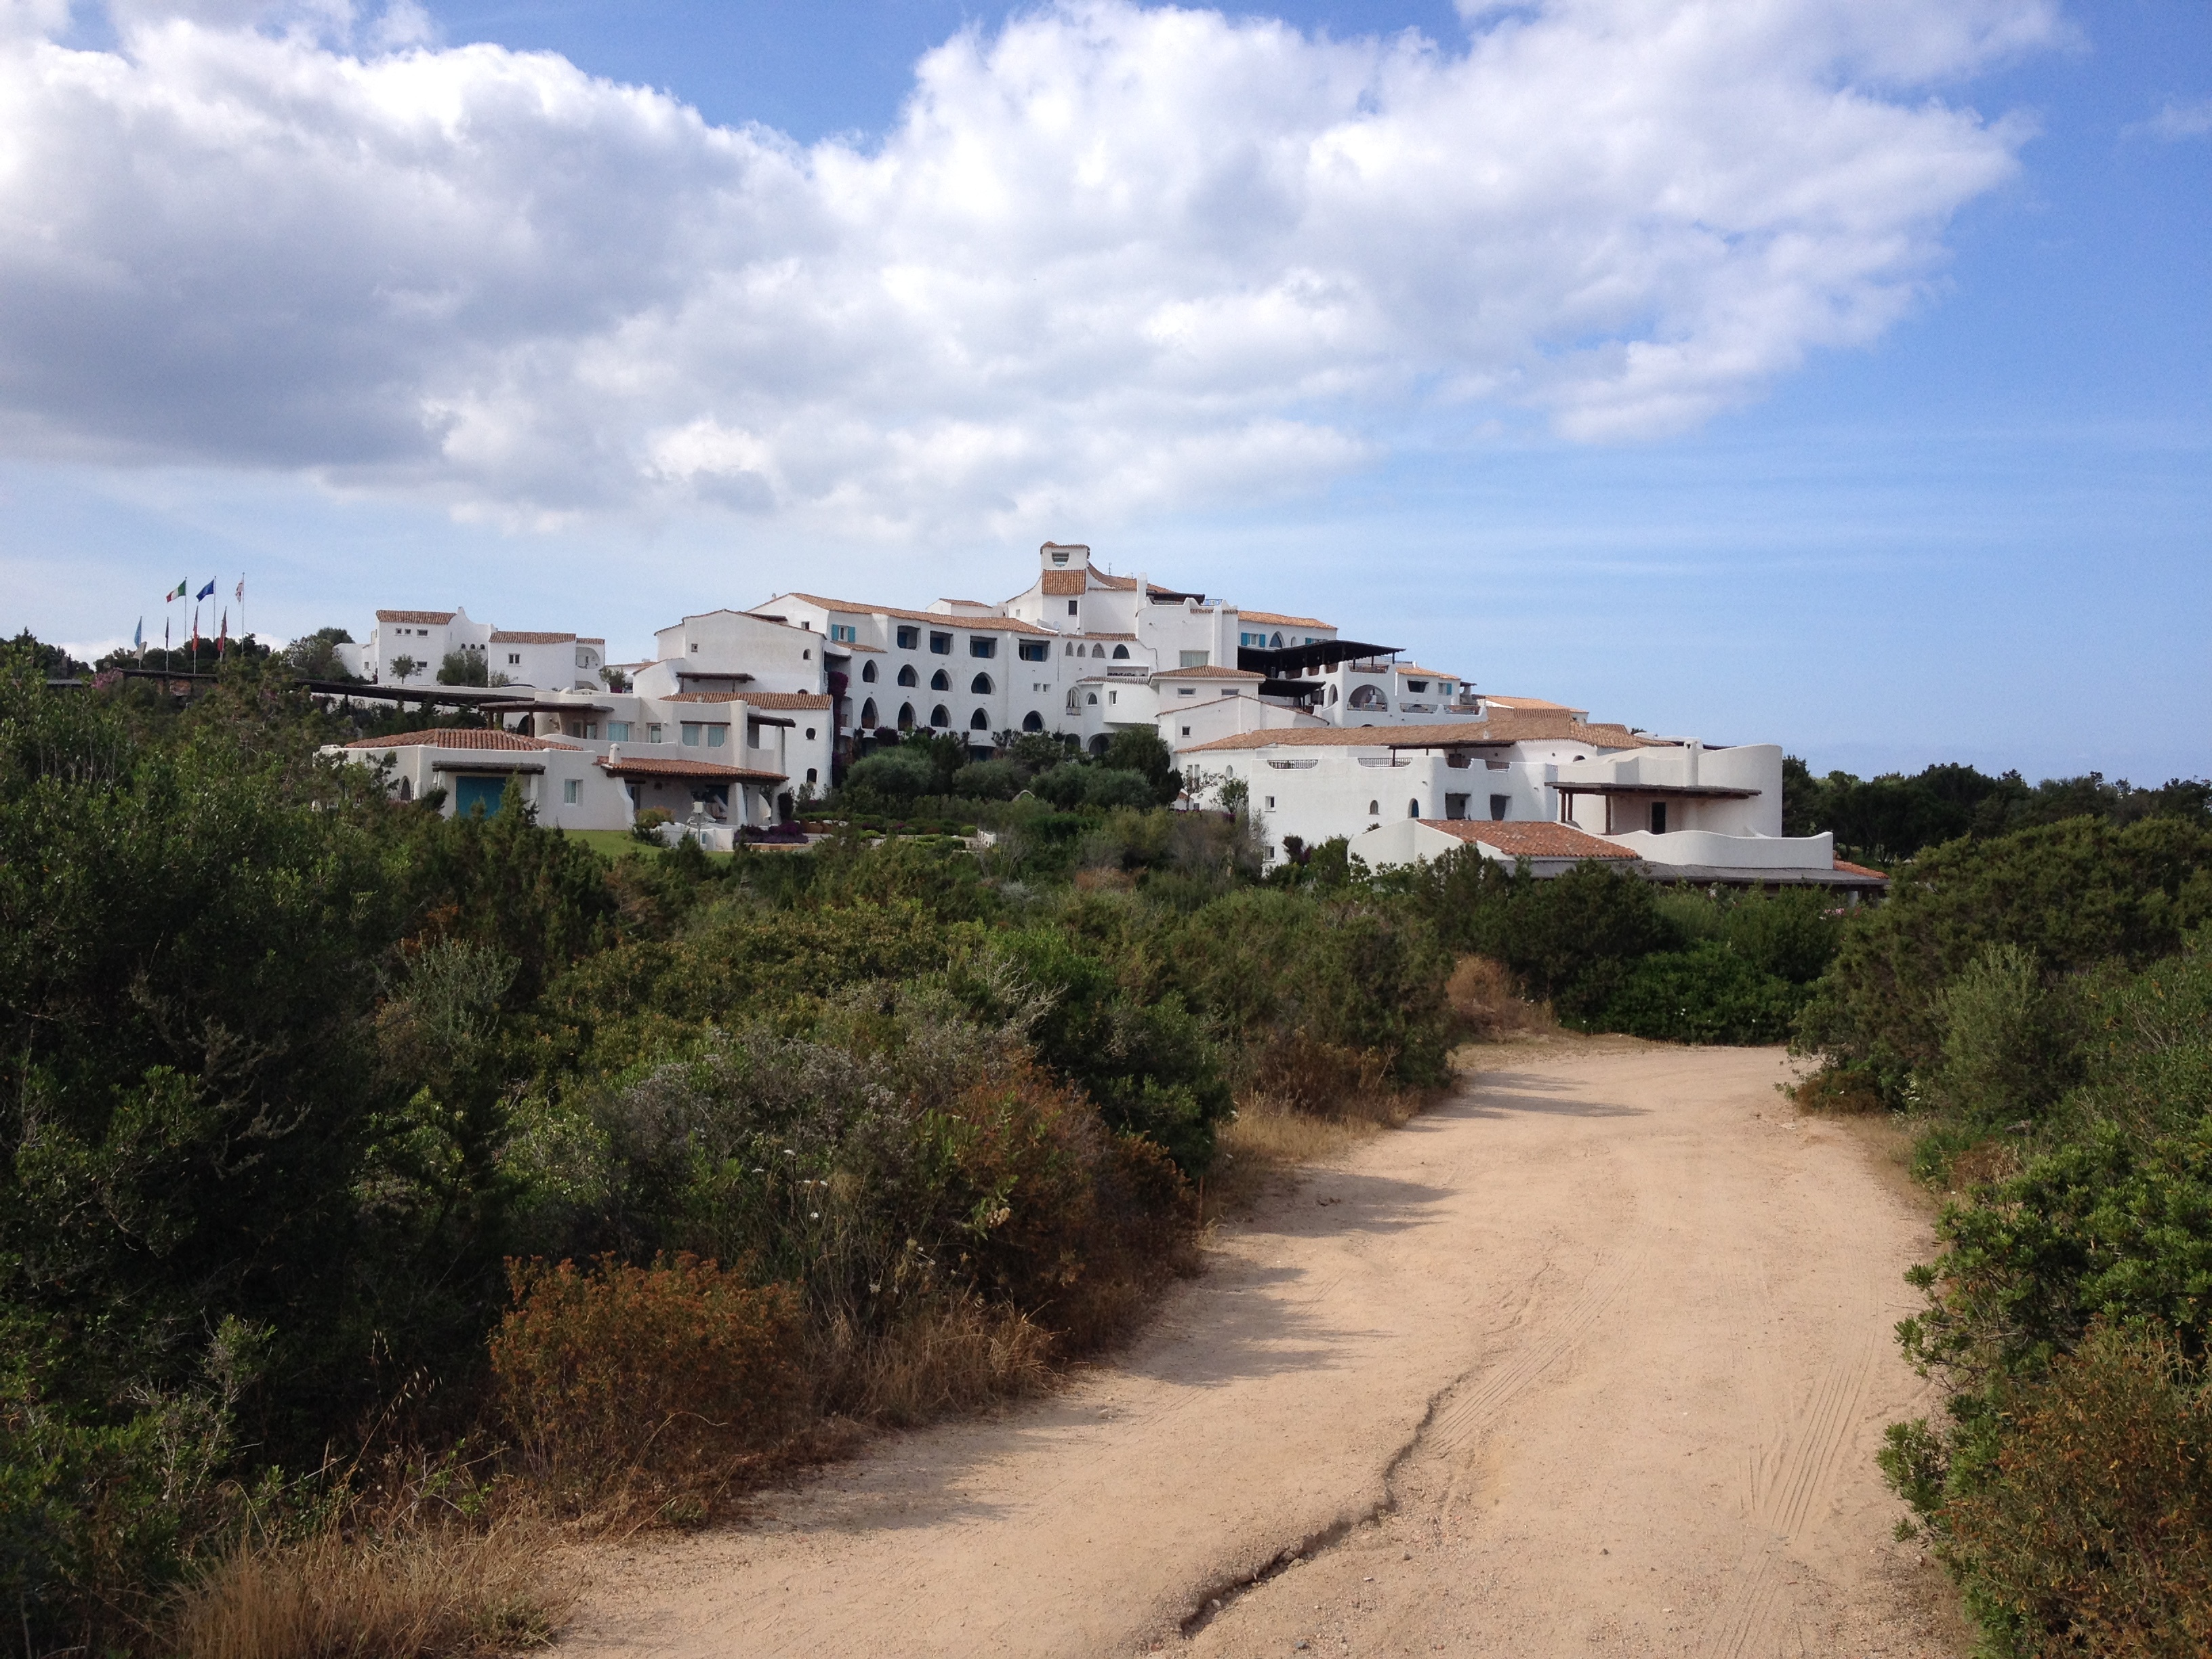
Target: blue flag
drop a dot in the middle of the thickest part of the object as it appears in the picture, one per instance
(205, 592)
(139, 634)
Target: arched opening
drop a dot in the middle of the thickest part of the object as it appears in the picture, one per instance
(1074, 700)
(1332, 694)
(905, 717)
(1367, 696)
(1412, 809)
(979, 721)
(908, 677)
(868, 672)
(941, 716)
(1375, 809)
(868, 715)
(1098, 743)
(1033, 721)
(1092, 699)
(1120, 654)
(940, 681)
(980, 685)
(407, 789)
(1097, 650)
(1071, 651)
(1278, 642)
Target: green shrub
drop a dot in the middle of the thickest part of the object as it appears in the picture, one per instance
(2075, 895)
(2007, 1048)
(2087, 1530)
(897, 775)
(1709, 993)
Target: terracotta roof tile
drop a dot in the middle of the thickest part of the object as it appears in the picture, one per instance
(499, 638)
(1276, 620)
(1207, 672)
(417, 616)
(1845, 867)
(458, 738)
(1531, 705)
(1066, 584)
(757, 699)
(1531, 839)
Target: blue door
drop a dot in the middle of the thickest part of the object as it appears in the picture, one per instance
(471, 793)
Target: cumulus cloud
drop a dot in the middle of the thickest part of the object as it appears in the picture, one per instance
(2178, 121)
(1109, 259)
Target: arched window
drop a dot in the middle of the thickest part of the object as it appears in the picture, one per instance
(1412, 809)
(1332, 694)
(1033, 721)
(905, 717)
(1092, 700)
(1097, 650)
(1074, 700)
(1120, 654)
(868, 715)
(979, 721)
(1098, 743)
(407, 789)
(868, 672)
(1278, 642)
(1071, 651)
(941, 716)
(1367, 696)
(908, 677)
(1375, 809)
(980, 685)
(940, 681)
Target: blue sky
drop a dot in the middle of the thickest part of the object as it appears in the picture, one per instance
(1924, 471)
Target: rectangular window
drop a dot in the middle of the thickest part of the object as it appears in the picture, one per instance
(618, 731)
(1417, 685)
(1497, 805)
(1034, 650)
(572, 790)
(690, 735)
(1454, 806)
(652, 732)
(1186, 691)
(940, 644)
(1271, 803)
(844, 631)
(1071, 607)
(1186, 730)
(715, 735)
(1196, 659)
(1113, 697)
(515, 657)
(1658, 817)
(908, 638)
(981, 647)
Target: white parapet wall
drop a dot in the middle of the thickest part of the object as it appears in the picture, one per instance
(1709, 848)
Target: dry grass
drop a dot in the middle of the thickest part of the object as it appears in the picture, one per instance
(1271, 1137)
(1835, 1092)
(1480, 992)
(951, 1356)
(431, 1592)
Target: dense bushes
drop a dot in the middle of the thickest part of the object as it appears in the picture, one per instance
(2041, 1001)
(329, 1118)
(1611, 952)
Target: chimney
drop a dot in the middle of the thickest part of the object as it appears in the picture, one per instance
(614, 754)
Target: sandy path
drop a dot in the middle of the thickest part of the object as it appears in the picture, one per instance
(1593, 1359)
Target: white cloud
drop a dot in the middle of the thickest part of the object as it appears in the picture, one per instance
(1108, 260)
(2178, 121)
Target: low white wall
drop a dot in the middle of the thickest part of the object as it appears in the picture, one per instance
(1737, 852)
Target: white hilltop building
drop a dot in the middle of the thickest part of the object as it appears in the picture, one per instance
(741, 716)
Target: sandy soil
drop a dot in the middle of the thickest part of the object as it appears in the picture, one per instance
(1592, 1360)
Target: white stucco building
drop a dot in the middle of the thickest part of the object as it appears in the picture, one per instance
(741, 715)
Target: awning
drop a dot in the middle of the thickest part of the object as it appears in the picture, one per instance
(1293, 661)
(646, 767)
(487, 764)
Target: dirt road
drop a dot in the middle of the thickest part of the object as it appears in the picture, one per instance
(1592, 1360)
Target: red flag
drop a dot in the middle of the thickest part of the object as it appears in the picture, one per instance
(222, 639)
